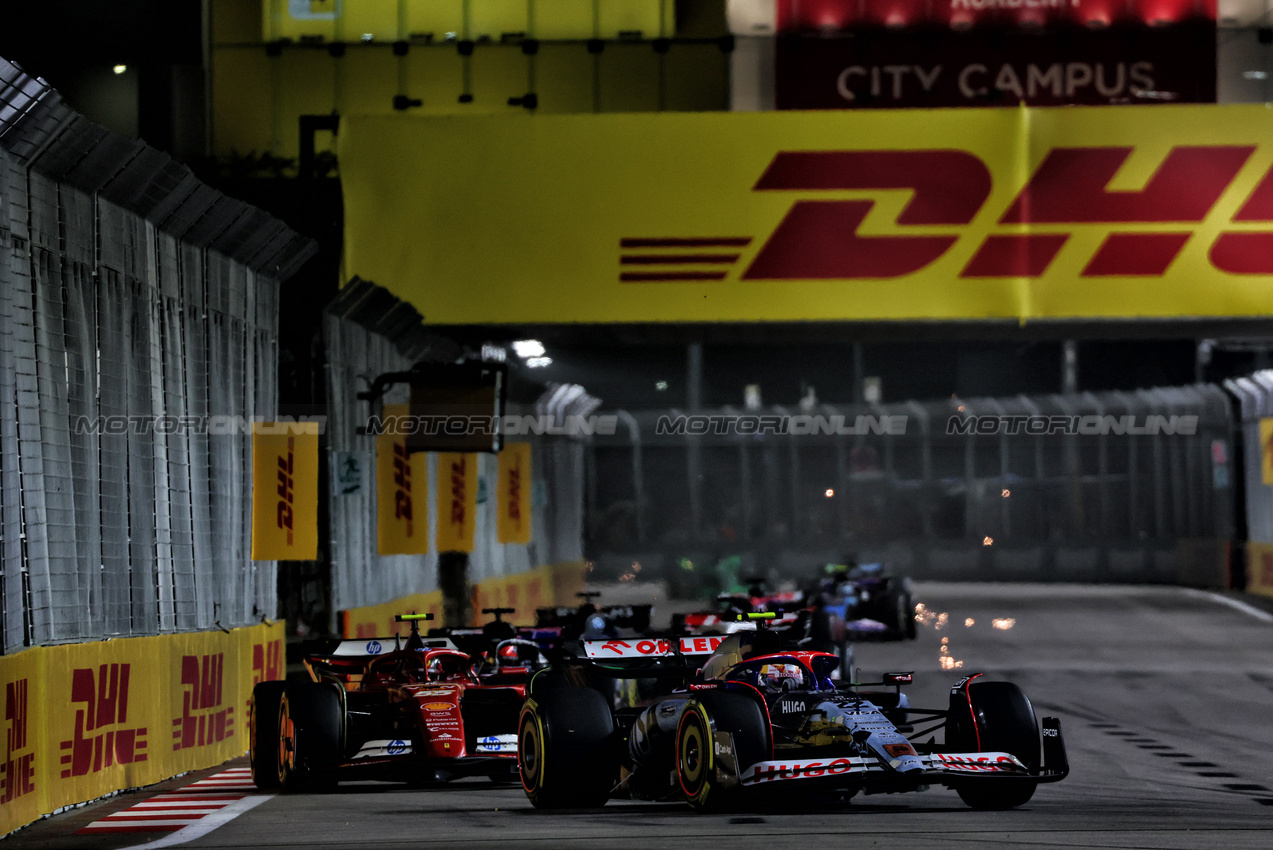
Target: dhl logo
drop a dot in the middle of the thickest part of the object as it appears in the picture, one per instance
(100, 738)
(286, 487)
(514, 494)
(459, 509)
(821, 238)
(267, 661)
(204, 719)
(402, 485)
(17, 771)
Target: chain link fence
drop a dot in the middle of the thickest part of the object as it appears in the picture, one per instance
(138, 320)
(1131, 486)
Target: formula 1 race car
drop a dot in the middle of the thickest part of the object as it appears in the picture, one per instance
(414, 710)
(752, 718)
(866, 603)
(589, 621)
(803, 616)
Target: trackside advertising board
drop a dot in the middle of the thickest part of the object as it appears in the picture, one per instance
(84, 720)
(1018, 213)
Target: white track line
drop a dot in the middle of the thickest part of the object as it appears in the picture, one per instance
(1236, 604)
(205, 824)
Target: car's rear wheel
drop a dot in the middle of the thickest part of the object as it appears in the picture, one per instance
(263, 738)
(1001, 720)
(310, 725)
(696, 755)
(566, 750)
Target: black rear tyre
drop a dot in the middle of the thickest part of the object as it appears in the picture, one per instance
(696, 759)
(263, 739)
(311, 723)
(1001, 720)
(566, 749)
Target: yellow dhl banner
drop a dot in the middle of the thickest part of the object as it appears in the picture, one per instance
(1266, 449)
(1107, 211)
(284, 491)
(457, 501)
(84, 720)
(512, 496)
(402, 492)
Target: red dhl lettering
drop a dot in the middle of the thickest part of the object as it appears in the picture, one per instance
(17, 770)
(819, 239)
(267, 661)
(203, 719)
(92, 745)
(402, 508)
(458, 509)
(515, 494)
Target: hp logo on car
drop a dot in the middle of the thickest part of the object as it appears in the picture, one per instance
(373, 647)
(396, 747)
(492, 743)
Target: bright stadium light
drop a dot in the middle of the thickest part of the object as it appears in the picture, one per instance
(527, 348)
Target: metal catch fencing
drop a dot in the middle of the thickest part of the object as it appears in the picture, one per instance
(1130, 486)
(138, 325)
(369, 332)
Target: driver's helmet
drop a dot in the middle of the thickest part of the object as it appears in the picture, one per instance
(435, 670)
(777, 678)
(508, 654)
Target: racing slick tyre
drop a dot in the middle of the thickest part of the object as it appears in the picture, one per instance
(566, 749)
(1002, 720)
(263, 739)
(696, 752)
(310, 722)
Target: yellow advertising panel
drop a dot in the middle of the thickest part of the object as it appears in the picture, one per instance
(1266, 449)
(512, 495)
(457, 501)
(284, 491)
(25, 758)
(85, 720)
(1016, 213)
(402, 491)
(1259, 568)
(376, 621)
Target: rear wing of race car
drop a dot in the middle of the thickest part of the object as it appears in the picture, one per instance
(649, 657)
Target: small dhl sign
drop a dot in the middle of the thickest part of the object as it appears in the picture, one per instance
(916, 214)
(512, 497)
(402, 488)
(284, 491)
(457, 501)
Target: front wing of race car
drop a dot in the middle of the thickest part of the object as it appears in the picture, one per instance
(933, 768)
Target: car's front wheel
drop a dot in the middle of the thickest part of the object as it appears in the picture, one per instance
(310, 726)
(696, 751)
(1001, 720)
(565, 748)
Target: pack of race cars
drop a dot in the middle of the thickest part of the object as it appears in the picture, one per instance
(723, 716)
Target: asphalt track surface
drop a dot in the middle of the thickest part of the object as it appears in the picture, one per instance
(1165, 697)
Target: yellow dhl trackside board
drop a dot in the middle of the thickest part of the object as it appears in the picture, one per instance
(1086, 212)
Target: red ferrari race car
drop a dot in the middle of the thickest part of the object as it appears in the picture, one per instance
(755, 718)
(412, 710)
